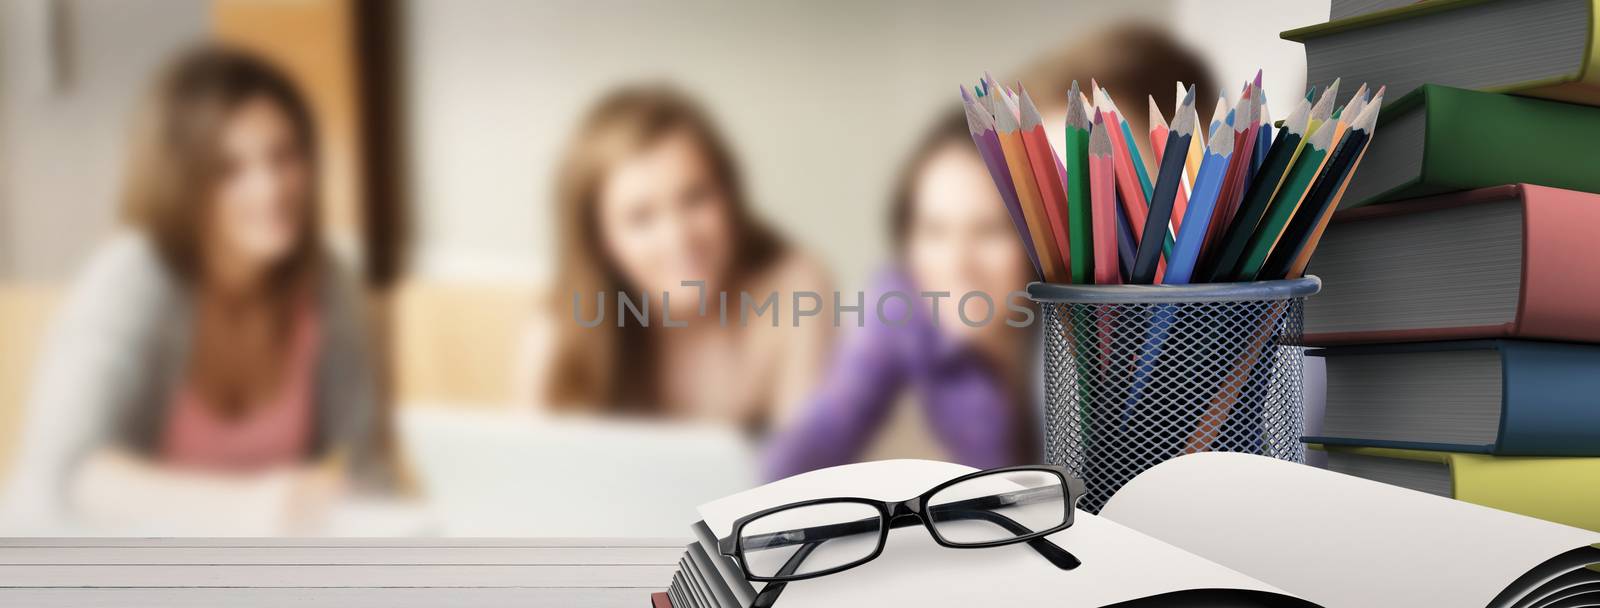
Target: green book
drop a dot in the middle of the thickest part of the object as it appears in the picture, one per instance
(1440, 139)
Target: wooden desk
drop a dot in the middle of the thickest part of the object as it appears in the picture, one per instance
(353, 573)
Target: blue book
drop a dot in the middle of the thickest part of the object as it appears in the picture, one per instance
(1502, 397)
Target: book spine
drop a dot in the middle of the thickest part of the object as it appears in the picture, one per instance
(1426, 334)
(1475, 140)
(1550, 399)
(1560, 281)
(1562, 490)
(1585, 89)
(1348, 442)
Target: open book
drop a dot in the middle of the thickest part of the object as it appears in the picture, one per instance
(1212, 530)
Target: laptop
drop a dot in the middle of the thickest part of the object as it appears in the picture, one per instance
(512, 472)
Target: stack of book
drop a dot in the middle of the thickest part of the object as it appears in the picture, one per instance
(1461, 303)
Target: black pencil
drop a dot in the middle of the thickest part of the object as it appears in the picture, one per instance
(1285, 147)
(1166, 190)
(1302, 231)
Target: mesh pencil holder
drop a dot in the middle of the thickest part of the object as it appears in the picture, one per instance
(1138, 374)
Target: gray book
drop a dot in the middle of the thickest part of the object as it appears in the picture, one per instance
(1534, 47)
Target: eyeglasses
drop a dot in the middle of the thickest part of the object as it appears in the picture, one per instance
(825, 536)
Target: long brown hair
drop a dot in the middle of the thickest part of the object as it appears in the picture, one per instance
(177, 162)
(608, 367)
(175, 158)
(1132, 60)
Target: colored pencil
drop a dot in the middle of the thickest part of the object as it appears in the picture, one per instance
(1233, 200)
(1364, 126)
(1263, 137)
(1166, 191)
(1219, 210)
(1028, 197)
(1324, 107)
(1283, 205)
(1158, 131)
(1218, 116)
(1134, 203)
(1103, 196)
(1135, 159)
(1207, 185)
(1158, 144)
(1301, 226)
(1197, 148)
(1047, 174)
(980, 124)
(1285, 149)
(1126, 248)
(1080, 212)
(1244, 127)
(1349, 113)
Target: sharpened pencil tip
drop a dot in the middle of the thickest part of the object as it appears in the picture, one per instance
(1156, 119)
(1077, 115)
(1183, 118)
(1099, 140)
(1369, 115)
(1028, 113)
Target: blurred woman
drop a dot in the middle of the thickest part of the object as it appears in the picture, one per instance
(951, 234)
(209, 370)
(649, 197)
(975, 385)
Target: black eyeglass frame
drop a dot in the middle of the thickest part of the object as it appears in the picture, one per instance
(892, 513)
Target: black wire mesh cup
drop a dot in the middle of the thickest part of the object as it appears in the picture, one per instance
(1138, 374)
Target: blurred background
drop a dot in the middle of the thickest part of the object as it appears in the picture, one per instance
(168, 365)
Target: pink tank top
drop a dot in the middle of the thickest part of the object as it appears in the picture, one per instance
(274, 433)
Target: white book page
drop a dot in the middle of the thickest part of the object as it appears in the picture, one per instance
(1334, 539)
(1119, 564)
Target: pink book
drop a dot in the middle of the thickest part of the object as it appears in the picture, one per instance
(1517, 261)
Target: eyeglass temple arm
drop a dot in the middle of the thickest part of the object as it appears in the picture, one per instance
(1061, 558)
(769, 594)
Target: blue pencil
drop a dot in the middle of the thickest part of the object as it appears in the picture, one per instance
(1197, 219)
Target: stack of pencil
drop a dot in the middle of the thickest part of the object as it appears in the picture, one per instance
(1226, 200)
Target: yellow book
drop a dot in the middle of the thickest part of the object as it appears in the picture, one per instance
(1559, 489)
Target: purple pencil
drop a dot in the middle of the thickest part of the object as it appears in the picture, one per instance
(980, 124)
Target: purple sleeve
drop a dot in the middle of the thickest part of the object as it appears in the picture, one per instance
(847, 409)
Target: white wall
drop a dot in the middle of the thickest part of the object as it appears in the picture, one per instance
(1241, 36)
(62, 148)
(821, 99)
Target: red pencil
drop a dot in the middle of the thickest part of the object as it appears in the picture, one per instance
(1134, 205)
(1041, 158)
(1103, 202)
(1246, 117)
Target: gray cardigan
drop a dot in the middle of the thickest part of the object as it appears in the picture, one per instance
(117, 347)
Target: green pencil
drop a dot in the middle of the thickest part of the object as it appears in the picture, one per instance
(1079, 218)
(1285, 149)
(1283, 204)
